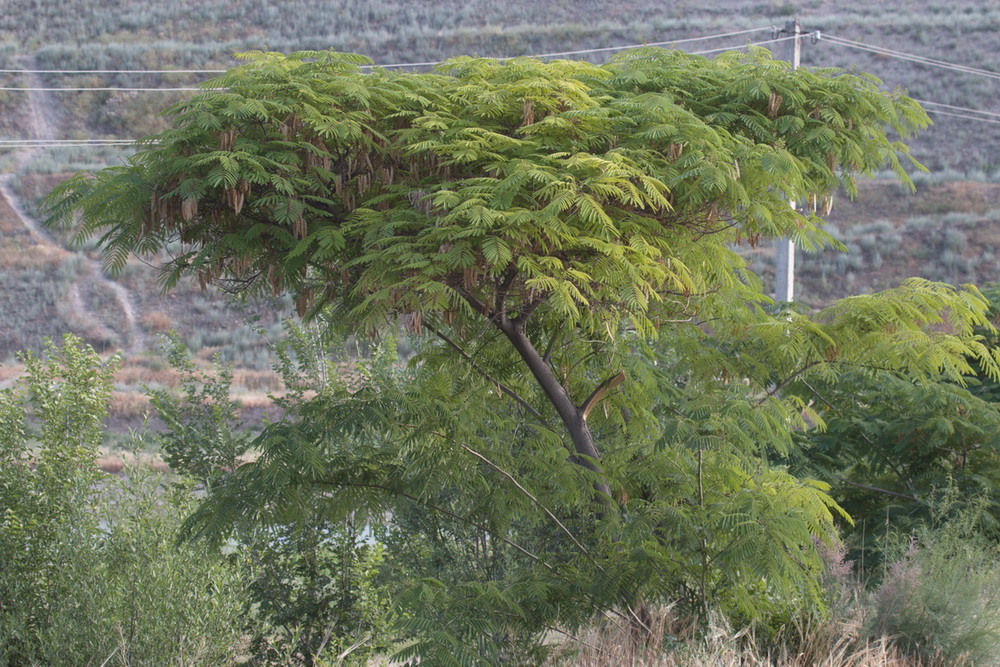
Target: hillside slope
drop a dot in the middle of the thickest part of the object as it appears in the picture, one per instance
(145, 34)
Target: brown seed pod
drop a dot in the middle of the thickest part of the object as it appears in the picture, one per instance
(470, 278)
(774, 104)
(299, 227)
(189, 208)
(827, 205)
(227, 139)
(274, 279)
(527, 112)
(302, 303)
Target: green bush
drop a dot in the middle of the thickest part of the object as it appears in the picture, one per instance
(88, 569)
(940, 596)
(314, 594)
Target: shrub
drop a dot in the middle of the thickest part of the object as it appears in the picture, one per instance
(133, 596)
(315, 594)
(88, 571)
(939, 597)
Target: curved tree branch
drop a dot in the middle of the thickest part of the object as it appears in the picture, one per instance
(482, 372)
(442, 510)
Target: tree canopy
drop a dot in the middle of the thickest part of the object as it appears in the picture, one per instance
(597, 192)
(604, 395)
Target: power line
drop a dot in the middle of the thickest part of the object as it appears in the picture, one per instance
(632, 46)
(733, 48)
(134, 90)
(613, 48)
(933, 62)
(952, 106)
(384, 66)
(65, 142)
(41, 143)
(62, 141)
(901, 55)
(910, 56)
(48, 143)
(959, 115)
(111, 71)
(27, 144)
(193, 89)
(421, 64)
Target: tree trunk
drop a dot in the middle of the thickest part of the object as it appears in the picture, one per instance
(572, 416)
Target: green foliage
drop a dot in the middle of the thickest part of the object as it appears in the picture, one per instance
(89, 569)
(707, 521)
(598, 420)
(204, 435)
(92, 571)
(939, 596)
(44, 493)
(148, 600)
(318, 594)
(591, 184)
(314, 593)
(890, 440)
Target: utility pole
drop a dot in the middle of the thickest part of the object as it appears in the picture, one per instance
(784, 269)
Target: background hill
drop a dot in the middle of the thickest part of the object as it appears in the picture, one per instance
(945, 232)
(96, 34)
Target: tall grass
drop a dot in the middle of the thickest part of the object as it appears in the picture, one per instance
(936, 604)
(829, 643)
(940, 596)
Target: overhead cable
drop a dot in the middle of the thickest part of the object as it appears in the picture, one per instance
(743, 46)
(196, 89)
(437, 62)
(112, 71)
(63, 141)
(101, 144)
(600, 49)
(960, 115)
(135, 90)
(952, 106)
(900, 55)
(636, 46)
(384, 66)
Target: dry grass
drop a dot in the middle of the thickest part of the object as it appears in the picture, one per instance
(10, 223)
(114, 463)
(10, 373)
(43, 257)
(141, 375)
(834, 643)
(254, 400)
(157, 321)
(251, 380)
(206, 354)
(258, 380)
(128, 404)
